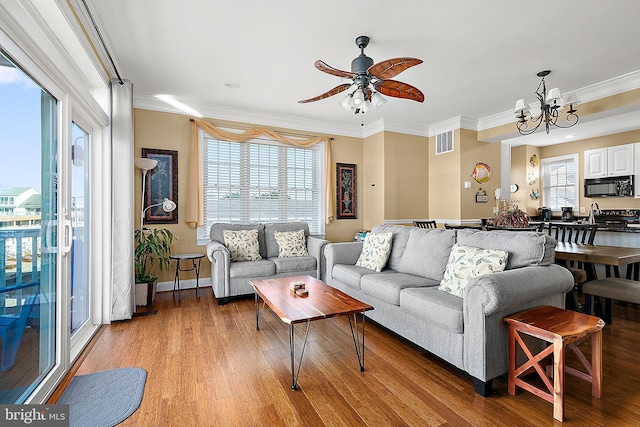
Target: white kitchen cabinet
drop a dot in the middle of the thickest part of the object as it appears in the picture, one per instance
(620, 160)
(609, 161)
(595, 163)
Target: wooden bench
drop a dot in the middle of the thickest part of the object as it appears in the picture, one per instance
(611, 288)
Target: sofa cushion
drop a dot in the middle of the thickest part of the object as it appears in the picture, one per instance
(467, 262)
(272, 247)
(398, 244)
(435, 306)
(251, 269)
(242, 245)
(427, 252)
(291, 243)
(375, 251)
(350, 275)
(387, 287)
(293, 264)
(218, 228)
(525, 247)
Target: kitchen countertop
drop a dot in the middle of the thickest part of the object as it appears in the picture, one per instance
(630, 228)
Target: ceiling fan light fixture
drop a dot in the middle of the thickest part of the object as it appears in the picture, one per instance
(378, 100)
(369, 78)
(358, 97)
(346, 102)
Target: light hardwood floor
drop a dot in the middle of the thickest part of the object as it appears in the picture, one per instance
(208, 366)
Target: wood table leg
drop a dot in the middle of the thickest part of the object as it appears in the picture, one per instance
(596, 364)
(511, 380)
(558, 379)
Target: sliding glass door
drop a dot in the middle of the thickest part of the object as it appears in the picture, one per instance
(29, 224)
(80, 289)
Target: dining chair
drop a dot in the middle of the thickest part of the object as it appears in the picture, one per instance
(573, 233)
(11, 329)
(425, 224)
(576, 233)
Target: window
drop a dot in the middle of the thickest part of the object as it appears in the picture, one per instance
(261, 181)
(559, 183)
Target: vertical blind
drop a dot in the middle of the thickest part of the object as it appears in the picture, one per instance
(261, 181)
(559, 187)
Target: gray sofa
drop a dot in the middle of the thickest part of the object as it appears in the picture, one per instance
(467, 332)
(231, 279)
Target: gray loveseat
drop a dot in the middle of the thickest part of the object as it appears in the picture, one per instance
(467, 332)
(231, 279)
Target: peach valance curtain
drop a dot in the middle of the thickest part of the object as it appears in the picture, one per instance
(195, 190)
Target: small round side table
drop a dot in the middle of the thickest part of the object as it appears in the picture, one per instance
(193, 257)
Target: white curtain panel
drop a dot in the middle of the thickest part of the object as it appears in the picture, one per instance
(123, 285)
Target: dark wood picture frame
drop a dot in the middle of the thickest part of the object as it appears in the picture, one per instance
(346, 191)
(161, 183)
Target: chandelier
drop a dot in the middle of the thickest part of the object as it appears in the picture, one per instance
(552, 104)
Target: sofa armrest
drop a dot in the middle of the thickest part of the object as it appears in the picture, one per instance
(512, 290)
(315, 246)
(489, 298)
(340, 253)
(218, 254)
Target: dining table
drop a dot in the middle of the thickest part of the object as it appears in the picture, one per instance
(609, 256)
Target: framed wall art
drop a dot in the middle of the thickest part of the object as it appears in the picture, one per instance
(347, 206)
(161, 183)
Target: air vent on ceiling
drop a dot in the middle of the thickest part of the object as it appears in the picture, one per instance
(444, 142)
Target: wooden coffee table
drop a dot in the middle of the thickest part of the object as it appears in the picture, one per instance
(322, 302)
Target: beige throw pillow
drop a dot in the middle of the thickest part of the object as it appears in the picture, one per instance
(467, 262)
(375, 251)
(291, 243)
(242, 245)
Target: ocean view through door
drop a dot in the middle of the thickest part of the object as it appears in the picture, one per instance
(29, 225)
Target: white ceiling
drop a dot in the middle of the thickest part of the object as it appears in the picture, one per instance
(479, 56)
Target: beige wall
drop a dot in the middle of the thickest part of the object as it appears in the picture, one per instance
(521, 169)
(406, 176)
(373, 180)
(348, 150)
(444, 181)
(472, 152)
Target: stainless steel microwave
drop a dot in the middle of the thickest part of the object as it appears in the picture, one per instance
(619, 186)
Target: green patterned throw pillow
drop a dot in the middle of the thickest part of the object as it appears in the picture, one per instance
(291, 244)
(467, 262)
(242, 245)
(375, 251)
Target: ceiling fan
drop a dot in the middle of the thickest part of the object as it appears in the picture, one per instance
(369, 81)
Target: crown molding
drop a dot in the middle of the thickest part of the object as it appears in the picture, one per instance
(147, 102)
(459, 122)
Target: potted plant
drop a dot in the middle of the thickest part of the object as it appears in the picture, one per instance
(153, 248)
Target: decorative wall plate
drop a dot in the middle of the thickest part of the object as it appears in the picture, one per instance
(535, 194)
(481, 173)
(514, 188)
(534, 160)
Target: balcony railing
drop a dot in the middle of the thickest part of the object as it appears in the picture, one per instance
(20, 262)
